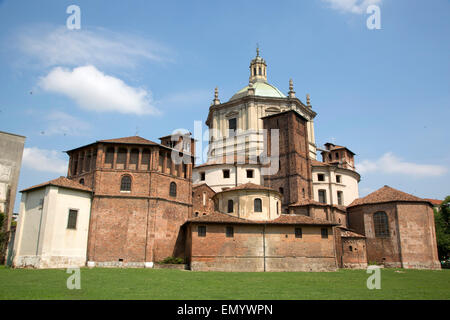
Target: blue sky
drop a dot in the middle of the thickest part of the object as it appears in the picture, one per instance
(152, 66)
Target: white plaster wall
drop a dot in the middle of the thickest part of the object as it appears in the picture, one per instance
(243, 201)
(43, 240)
(248, 118)
(30, 215)
(214, 175)
(348, 185)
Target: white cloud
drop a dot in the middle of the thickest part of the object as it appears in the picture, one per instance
(61, 123)
(93, 90)
(351, 6)
(391, 164)
(51, 46)
(44, 160)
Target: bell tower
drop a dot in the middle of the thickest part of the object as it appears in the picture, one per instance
(258, 69)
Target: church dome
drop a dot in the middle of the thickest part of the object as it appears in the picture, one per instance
(258, 81)
(262, 89)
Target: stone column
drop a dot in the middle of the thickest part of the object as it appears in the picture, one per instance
(127, 161)
(164, 167)
(100, 157)
(80, 164)
(91, 165)
(139, 159)
(116, 149)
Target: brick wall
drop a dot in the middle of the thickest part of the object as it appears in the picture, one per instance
(259, 248)
(294, 176)
(412, 240)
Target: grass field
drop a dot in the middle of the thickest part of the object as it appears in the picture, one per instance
(99, 283)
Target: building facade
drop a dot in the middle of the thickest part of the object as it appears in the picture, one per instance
(261, 202)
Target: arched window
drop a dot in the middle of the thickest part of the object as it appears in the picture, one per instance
(125, 183)
(230, 206)
(82, 181)
(381, 224)
(173, 189)
(257, 205)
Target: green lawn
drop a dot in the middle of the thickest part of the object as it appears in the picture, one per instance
(102, 283)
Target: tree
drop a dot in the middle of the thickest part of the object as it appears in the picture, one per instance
(442, 221)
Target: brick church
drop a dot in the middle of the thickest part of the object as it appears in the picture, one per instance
(261, 202)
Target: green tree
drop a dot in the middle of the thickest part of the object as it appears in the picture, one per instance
(442, 221)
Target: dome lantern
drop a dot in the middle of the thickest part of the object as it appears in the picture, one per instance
(258, 69)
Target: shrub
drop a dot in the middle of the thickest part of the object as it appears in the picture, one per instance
(172, 260)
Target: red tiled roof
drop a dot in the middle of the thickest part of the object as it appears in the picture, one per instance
(60, 182)
(217, 217)
(435, 202)
(250, 186)
(339, 207)
(319, 163)
(347, 233)
(334, 147)
(307, 202)
(386, 194)
(201, 185)
(130, 140)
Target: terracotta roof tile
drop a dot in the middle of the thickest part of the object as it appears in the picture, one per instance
(218, 217)
(306, 202)
(435, 202)
(386, 194)
(319, 163)
(347, 233)
(60, 182)
(131, 140)
(249, 186)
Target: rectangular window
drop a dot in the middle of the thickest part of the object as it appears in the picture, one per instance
(201, 231)
(249, 173)
(226, 174)
(338, 179)
(298, 233)
(232, 126)
(202, 176)
(322, 196)
(72, 221)
(339, 198)
(230, 232)
(321, 177)
(324, 233)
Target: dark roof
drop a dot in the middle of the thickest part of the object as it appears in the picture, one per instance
(60, 182)
(283, 112)
(387, 194)
(289, 219)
